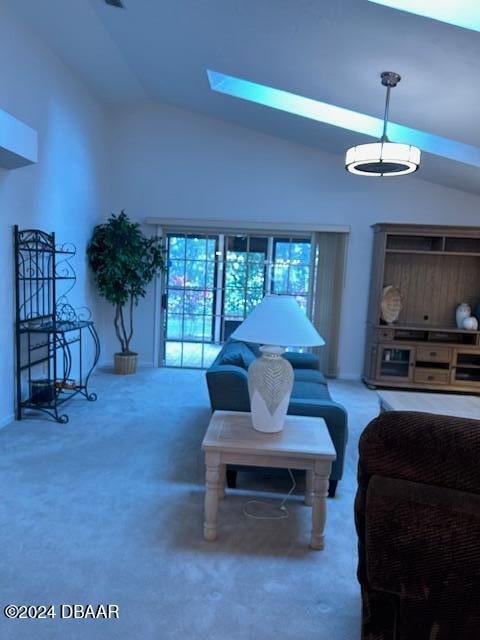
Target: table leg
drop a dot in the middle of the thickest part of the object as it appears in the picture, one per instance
(222, 481)
(211, 496)
(319, 510)
(309, 488)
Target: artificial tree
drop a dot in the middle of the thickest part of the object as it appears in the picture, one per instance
(124, 262)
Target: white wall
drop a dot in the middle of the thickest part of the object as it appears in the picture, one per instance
(171, 162)
(64, 192)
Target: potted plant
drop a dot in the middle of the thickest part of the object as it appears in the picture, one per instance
(124, 262)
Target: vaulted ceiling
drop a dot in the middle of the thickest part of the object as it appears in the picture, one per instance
(329, 50)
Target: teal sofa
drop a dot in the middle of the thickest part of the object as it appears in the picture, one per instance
(228, 390)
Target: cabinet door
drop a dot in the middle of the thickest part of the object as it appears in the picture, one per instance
(395, 363)
(466, 368)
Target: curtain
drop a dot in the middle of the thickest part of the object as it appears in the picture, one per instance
(331, 251)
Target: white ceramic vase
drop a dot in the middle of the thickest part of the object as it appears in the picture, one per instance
(463, 311)
(470, 323)
(270, 382)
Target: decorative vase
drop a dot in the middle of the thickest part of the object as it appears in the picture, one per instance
(270, 382)
(470, 323)
(126, 363)
(463, 311)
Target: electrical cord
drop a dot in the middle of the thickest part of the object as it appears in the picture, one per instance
(282, 508)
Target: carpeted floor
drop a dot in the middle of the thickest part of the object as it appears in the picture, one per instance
(109, 509)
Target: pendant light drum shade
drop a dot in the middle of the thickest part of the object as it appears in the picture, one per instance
(383, 158)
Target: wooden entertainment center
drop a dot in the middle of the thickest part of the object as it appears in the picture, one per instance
(435, 268)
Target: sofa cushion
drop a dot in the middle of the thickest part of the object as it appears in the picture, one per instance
(309, 375)
(237, 354)
(302, 360)
(311, 390)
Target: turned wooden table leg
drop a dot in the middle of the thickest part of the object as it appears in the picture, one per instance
(222, 481)
(319, 510)
(212, 461)
(309, 488)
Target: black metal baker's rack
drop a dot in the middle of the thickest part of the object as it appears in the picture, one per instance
(50, 333)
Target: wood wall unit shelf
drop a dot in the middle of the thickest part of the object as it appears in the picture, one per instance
(435, 268)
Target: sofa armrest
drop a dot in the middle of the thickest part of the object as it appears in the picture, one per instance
(228, 388)
(336, 419)
(422, 447)
(302, 360)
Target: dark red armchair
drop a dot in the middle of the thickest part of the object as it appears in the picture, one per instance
(417, 514)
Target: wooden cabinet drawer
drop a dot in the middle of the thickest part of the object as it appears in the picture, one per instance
(431, 376)
(434, 354)
(385, 334)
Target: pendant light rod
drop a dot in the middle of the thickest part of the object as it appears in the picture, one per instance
(385, 116)
(390, 79)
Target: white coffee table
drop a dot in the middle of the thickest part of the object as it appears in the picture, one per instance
(439, 403)
(304, 443)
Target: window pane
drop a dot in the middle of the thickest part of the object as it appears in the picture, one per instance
(175, 301)
(281, 250)
(298, 280)
(194, 302)
(211, 248)
(192, 327)
(279, 278)
(256, 274)
(300, 253)
(195, 274)
(210, 282)
(235, 269)
(208, 328)
(234, 302)
(173, 354)
(174, 326)
(196, 248)
(192, 355)
(176, 276)
(176, 247)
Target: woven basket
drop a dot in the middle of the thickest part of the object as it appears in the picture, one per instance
(391, 304)
(126, 364)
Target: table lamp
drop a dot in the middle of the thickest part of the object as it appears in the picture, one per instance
(275, 323)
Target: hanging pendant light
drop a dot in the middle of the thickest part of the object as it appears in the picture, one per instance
(383, 158)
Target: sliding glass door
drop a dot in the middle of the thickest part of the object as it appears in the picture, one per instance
(214, 281)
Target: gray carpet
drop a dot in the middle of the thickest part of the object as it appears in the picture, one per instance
(109, 509)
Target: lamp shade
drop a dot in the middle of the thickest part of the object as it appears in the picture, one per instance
(278, 320)
(382, 159)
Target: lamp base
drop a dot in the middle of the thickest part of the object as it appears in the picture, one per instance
(270, 382)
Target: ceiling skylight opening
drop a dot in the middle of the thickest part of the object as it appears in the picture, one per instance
(341, 117)
(461, 13)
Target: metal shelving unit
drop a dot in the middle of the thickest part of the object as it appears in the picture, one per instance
(50, 334)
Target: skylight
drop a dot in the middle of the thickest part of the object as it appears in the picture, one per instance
(341, 117)
(461, 13)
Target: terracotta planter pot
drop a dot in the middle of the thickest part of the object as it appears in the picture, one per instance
(126, 363)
